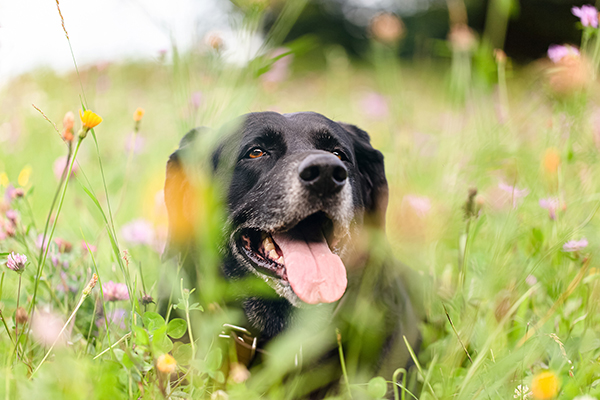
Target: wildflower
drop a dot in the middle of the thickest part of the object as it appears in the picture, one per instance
(19, 192)
(374, 105)
(134, 143)
(166, 364)
(462, 38)
(63, 245)
(24, 176)
(89, 120)
(12, 216)
(60, 167)
(551, 160)
(420, 204)
(4, 179)
(522, 392)
(196, 99)
(219, 395)
(90, 285)
(115, 291)
(137, 115)
(39, 240)
(21, 316)
(68, 123)
(214, 40)
(531, 280)
(46, 327)
(544, 385)
(86, 247)
(146, 299)
(587, 14)
(387, 28)
(138, 231)
(575, 245)
(16, 262)
(551, 204)
(514, 192)
(557, 52)
(500, 56)
(238, 373)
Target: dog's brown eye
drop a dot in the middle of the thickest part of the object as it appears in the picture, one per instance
(337, 154)
(255, 153)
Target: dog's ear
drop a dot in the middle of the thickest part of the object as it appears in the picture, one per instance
(180, 197)
(373, 183)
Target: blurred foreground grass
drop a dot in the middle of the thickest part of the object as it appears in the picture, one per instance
(518, 301)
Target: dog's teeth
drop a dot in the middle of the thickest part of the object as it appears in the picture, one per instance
(273, 254)
(280, 260)
(268, 244)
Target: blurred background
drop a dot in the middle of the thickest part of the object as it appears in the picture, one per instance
(114, 30)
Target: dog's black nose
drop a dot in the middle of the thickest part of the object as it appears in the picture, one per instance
(324, 174)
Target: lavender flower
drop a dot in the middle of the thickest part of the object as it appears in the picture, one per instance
(46, 327)
(587, 14)
(514, 192)
(420, 204)
(139, 231)
(16, 262)
(558, 52)
(12, 216)
(551, 204)
(575, 245)
(375, 105)
(115, 291)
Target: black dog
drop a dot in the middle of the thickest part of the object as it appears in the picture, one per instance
(306, 200)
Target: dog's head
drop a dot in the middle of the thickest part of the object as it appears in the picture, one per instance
(298, 186)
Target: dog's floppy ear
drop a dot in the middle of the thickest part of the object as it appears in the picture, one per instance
(373, 183)
(180, 197)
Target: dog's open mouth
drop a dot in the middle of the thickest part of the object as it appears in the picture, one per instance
(301, 257)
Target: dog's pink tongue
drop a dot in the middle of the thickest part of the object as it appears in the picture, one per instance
(315, 273)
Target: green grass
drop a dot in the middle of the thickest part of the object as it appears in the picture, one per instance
(502, 326)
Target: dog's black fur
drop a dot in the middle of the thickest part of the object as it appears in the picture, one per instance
(303, 169)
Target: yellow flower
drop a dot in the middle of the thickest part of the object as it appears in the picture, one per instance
(551, 160)
(138, 114)
(4, 179)
(166, 364)
(24, 175)
(89, 119)
(544, 385)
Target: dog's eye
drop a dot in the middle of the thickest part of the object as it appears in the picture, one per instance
(256, 152)
(338, 154)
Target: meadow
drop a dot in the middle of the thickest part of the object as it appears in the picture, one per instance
(492, 169)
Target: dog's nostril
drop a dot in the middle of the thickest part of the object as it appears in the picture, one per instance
(340, 174)
(309, 173)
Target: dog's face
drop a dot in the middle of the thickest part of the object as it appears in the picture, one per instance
(298, 187)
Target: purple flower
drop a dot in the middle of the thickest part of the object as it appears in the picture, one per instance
(575, 245)
(138, 231)
(16, 262)
(135, 144)
(59, 167)
(85, 246)
(196, 100)
(38, 242)
(514, 192)
(115, 291)
(375, 105)
(115, 317)
(551, 204)
(587, 14)
(421, 204)
(558, 52)
(12, 216)
(46, 327)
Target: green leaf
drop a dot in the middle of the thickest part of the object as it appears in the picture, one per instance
(377, 387)
(160, 342)
(176, 328)
(140, 336)
(214, 359)
(152, 321)
(196, 306)
(183, 353)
